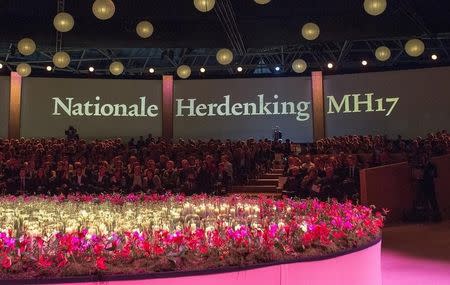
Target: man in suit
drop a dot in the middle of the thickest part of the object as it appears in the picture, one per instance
(351, 178)
(79, 182)
(428, 188)
(23, 183)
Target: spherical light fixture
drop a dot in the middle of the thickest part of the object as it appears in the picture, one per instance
(202, 70)
(364, 62)
(91, 69)
(61, 59)
(434, 57)
(414, 47)
(23, 69)
(63, 22)
(151, 70)
(375, 7)
(204, 5)
(224, 56)
(144, 29)
(262, 2)
(184, 71)
(116, 68)
(239, 69)
(103, 9)
(26, 46)
(330, 65)
(299, 66)
(310, 31)
(49, 68)
(382, 53)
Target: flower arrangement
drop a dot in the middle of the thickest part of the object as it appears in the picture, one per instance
(112, 234)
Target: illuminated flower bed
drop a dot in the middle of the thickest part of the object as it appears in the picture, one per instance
(112, 234)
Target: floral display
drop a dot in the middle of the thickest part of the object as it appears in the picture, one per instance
(112, 234)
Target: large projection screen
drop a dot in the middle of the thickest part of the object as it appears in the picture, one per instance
(243, 108)
(423, 102)
(45, 116)
(4, 106)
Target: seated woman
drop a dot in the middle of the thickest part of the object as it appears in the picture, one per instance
(41, 182)
(152, 182)
(223, 180)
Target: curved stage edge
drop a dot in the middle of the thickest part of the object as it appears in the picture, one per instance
(361, 266)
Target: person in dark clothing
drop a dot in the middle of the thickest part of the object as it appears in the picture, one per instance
(428, 188)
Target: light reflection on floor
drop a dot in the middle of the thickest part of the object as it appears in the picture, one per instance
(416, 254)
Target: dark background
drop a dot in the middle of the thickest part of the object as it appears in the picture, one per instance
(4, 106)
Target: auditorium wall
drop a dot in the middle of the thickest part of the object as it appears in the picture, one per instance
(243, 108)
(410, 103)
(4, 106)
(98, 108)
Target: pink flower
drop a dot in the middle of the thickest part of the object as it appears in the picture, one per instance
(101, 263)
(44, 262)
(6, 262)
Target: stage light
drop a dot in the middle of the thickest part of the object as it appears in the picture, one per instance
(91, 69)
(310, 31)
(151, 70)
(26, 46)
(204, 5)
(224, 56)
(434, 57)
(24, 69)
(375, 7)
(144, 29)
(364, 62)
(382, 53)
(184, 71)
(116, 68)
(277, 68)
(239, 69)
(103, 9)
(49, 68)
(299, 65)
(1, 66)
(414, 47)
(330, 65)
(61, 59)
(63, 22)
(262, 2)
(202, 70)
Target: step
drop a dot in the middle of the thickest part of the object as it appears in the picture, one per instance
(277, 170)
(255, 189)
(264, 182)
(271, 176)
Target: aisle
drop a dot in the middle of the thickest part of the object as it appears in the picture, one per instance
(416, 254)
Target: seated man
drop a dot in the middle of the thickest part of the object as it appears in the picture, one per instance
(170, 179)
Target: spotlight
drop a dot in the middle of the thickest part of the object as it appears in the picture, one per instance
(91, 69)
(239, 69)
(202, 70)
(434, 57)
(277, 68)
(1, 66)
(330, 65)
(49, 68)
(151, 70)
(364, 62)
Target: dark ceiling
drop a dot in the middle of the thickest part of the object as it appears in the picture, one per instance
(184, 31)
(178, 24)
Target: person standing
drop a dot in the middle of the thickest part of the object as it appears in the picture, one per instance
(428, 188)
